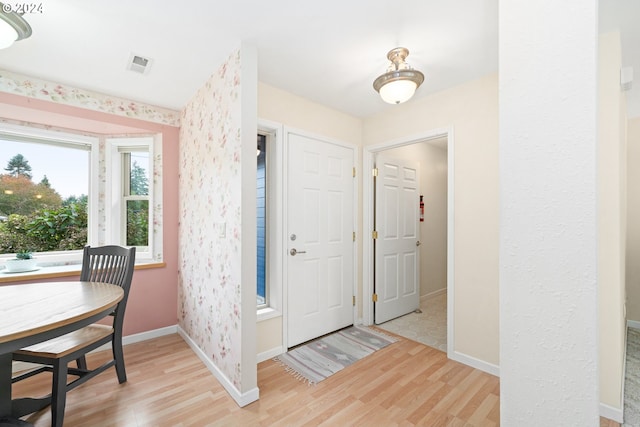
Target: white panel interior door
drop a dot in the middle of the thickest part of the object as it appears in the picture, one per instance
(320, 216)
(397, 260)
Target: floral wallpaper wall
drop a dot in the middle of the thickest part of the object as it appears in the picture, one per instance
(48, 91)
(210, 190)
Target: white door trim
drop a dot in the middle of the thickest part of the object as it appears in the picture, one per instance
(367, 246)
(285, 280)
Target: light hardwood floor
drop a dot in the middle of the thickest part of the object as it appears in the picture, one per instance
(404, 384)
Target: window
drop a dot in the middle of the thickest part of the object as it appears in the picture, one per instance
(135, 198)
(60, 191)
(44, 191)
(261, 218)
(270, 142)
(130, 169)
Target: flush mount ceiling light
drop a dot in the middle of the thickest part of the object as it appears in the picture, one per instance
(13, 27)
(400, 81)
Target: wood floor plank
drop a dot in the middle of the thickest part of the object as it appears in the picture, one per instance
(406, 384)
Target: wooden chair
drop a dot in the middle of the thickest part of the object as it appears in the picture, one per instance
(110, 264)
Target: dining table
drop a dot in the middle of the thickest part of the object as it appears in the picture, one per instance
(36, 312)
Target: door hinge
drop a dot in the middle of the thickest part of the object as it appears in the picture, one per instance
(354, 171)
(374, 297)
(375, 171)
(374, 234)
(354, 300)
(354, 236)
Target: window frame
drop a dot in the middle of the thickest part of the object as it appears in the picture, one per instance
(116, 199)
(128, 197)
(275, 220)
(102, 190)
(31, 134)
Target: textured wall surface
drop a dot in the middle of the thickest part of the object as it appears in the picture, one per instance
(548, 293)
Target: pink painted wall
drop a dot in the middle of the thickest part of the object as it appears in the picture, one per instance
(153, 298)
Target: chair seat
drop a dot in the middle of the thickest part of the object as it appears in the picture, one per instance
(61, 346)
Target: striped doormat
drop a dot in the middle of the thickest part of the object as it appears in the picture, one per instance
(321, 358)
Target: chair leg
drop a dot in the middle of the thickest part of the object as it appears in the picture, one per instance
(118, 356)
(82, 362)
(58, 393)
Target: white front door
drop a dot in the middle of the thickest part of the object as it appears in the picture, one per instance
(397, 261)
(320, 247)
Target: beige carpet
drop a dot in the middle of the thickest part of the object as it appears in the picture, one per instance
(428, 327)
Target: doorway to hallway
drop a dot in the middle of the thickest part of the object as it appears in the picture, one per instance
(432, 326)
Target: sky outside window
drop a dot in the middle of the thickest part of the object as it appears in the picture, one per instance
(66, 168)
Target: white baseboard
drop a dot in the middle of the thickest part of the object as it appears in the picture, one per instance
(633, 324)
(433, 294)
(270, 354)
(611, 413)
(147, 335)
(242, 399)
(142, 336)
(475, 363)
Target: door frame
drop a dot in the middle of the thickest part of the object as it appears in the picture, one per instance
(285, 199)
(369, 153)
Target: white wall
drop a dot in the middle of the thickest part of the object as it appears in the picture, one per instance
(548, 233)
(433, 231)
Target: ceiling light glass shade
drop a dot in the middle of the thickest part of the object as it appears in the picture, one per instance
(398, 91)
(400, 81)
(13, 27)
(7, 35)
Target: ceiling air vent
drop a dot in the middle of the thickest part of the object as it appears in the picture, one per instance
(139, 64)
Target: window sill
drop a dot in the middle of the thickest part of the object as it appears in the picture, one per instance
(267, 313)
(59, 271)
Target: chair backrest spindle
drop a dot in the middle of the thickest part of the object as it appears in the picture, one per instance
(109, 264)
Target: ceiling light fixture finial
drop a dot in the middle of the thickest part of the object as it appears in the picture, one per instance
(400, 81)
(13, 27)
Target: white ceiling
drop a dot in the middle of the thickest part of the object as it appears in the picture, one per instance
(328, 51)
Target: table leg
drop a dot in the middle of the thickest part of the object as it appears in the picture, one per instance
(5, 394)
(5, 385)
